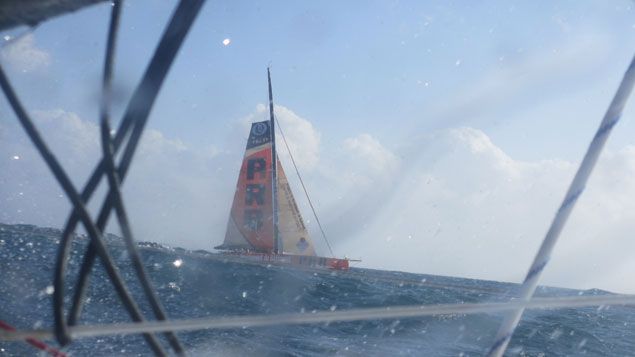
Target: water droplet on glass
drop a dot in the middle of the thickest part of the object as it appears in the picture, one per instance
(555, 334)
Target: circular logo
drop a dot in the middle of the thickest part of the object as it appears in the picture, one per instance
(259, 129)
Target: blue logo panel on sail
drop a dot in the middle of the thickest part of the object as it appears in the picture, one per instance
(302, 245)
(259, 135)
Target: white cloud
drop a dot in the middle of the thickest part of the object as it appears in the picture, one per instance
(171, 190)
(155, 143)
(24, 55)
(367, 149)
(74, 140)
(453, 203)
(303, 139)
(465, 208)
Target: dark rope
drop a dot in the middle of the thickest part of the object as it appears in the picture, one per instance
(132, 124)
(133, 120)
(155, 74)
(78, 204)
(137, 113)
(60, 325)
(113, 179)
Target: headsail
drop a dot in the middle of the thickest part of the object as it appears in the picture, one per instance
(250, 224)
(291, 229)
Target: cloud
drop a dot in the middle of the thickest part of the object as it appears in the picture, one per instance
(171, 190)
(24, 55)
(367, 149)
(465, 208)
(303, 139)
(174, 193)
(451, 202)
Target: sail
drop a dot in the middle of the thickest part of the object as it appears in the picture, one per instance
(250, 225)
(291, 228)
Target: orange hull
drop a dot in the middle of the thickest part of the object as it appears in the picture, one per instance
(294, 260)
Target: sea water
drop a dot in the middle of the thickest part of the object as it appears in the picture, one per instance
(197, 284)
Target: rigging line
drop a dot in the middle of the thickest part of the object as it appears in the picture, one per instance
(65, 240)
(136, 113)
(306, 193)
(60, 323)
(528, 287)
(365, 314)
(76, 201)
(35, 342)
(104, 115)
(113, 179)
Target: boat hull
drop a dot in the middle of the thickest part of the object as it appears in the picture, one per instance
(292, 260)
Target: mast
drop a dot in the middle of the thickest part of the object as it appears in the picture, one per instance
(277, 249)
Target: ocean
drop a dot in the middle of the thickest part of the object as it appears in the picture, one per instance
(202, 285)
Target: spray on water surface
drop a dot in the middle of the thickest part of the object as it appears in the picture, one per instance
(196, 284)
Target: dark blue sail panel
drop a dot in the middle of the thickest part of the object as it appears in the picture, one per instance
(260, 134)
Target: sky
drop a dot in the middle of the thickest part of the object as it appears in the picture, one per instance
(433, 137)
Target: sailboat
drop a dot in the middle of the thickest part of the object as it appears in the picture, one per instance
(265, 223)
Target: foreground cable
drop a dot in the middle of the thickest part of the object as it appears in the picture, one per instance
(530, 283)
(76, 201)
(131, 127)
(35, 342)
(114, 181)
(377, 313)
